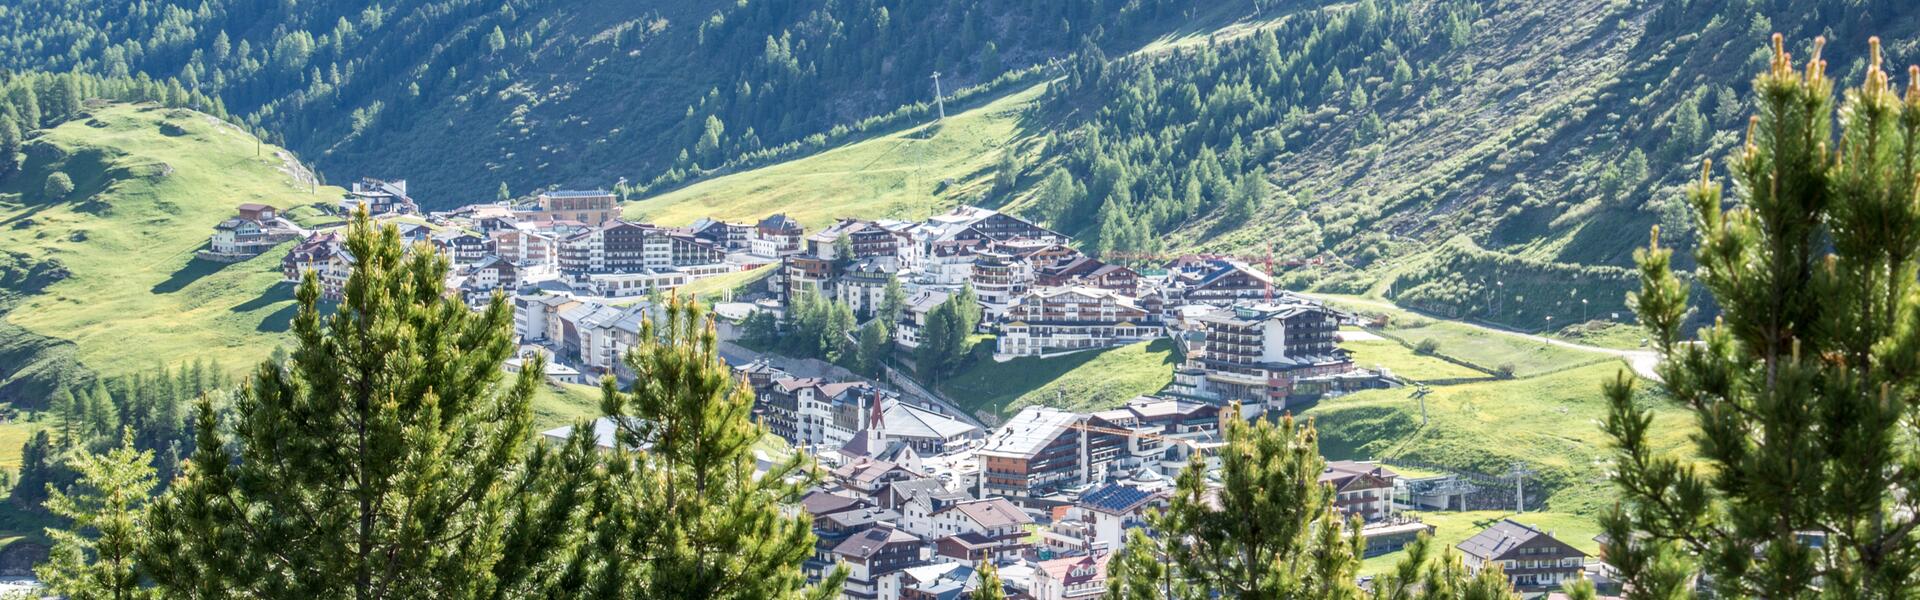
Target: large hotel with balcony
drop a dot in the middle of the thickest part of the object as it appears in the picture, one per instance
(1263, 353)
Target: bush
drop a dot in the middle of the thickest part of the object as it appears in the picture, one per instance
(1426, 347)
(59, 185)
(1505, 370)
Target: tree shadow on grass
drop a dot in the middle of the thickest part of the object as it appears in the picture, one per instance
(193, 271)
(279, 292)
(280, 321)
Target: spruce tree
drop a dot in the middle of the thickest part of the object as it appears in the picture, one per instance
(1804, 386)
(10, 142)
(384, 459)
(98, 558)
(682, 513)
(893, 303)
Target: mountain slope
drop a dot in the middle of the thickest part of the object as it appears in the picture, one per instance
(566, 92)
(1490, 160)
(150, 184)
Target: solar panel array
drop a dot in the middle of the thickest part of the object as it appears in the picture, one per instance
(1115, 497)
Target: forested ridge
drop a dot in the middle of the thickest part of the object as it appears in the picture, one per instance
(567, 93)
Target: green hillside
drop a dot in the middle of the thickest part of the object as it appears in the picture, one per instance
(150, 184)
(908, 174)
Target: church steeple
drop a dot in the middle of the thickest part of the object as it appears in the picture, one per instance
(876, 423)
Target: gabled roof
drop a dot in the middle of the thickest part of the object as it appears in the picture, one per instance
(1496, 540)
(870, 542)
(821, 503)
(780, 222)
(927, 487)
(990, 513)
(905, 420)
(1076, 570)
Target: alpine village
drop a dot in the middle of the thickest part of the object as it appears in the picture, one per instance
(960, 299)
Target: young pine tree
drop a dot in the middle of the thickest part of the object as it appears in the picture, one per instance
(98, 558)
(384, 459)
(1269, 530)
(989, 586)
(1804, 387)
(681, 513)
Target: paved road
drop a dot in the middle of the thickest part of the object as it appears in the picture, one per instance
(1643, 362)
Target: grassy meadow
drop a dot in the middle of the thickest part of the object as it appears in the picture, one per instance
(909, 174)
(1085, 381)
(151, 183)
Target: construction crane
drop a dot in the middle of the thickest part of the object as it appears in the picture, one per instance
(1121, 432)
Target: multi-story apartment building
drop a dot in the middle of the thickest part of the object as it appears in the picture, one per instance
(1056, 320)
(1261, 354)
(730, 237)
(462, 247)
(255, 229)
(592, 207)
(1088, 271)
(863, 285)
(914, 318)
(997, 523)
(999, 279)
(973, 222)
(625, 247)
(1532, 560)
(876, 558)
(1043, 450)
(778, 235)
(1361, 489)
(867, 239)
(326, 255)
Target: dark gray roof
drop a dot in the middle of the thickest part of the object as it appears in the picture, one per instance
(870, 542)
(1500, 538)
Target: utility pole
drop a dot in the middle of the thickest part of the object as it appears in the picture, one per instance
(939, 102)
(1519, 474)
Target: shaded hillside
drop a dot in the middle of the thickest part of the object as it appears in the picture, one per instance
(107, 283)
(462, 95)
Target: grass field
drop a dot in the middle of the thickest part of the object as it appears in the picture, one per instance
(559, 404)
(1084, 381)
(1550, 423)
(1405, 363)
(145, 202)
(1605, 334)
(1477, 346)
(13, 435)
(904, 175)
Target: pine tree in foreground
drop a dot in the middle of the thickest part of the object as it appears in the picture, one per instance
(1804, 389)
(98, 558)
(989, 586)
(385, 459)
(680, 511)
(1271, 530)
